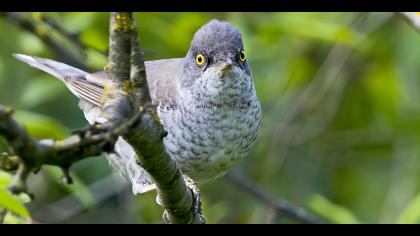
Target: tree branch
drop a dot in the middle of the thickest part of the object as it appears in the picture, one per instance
(63, 153)
(71, 36)
(90, 142)
(8, 162)
(281, 205)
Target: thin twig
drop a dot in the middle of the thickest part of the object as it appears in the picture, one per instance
(71, 36)
(61, 53)
(282, 205)
(3, 213)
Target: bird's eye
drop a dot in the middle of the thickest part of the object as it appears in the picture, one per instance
(242, 55)
(200, 59)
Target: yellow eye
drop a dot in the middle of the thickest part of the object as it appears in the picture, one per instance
(200, 59)
(242, 56)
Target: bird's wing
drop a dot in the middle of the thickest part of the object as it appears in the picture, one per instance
(162, 79)
(89, 88)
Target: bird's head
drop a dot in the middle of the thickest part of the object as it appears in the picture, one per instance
(216, 62)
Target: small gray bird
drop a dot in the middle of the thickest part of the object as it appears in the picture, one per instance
(206, 101)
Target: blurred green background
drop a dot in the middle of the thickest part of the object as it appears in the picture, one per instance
(340, 133)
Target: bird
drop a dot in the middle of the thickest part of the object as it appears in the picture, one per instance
(206, 102)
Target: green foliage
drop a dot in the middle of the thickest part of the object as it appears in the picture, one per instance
(5, 178)
(333, 213)
(411, 213)
(11, 203)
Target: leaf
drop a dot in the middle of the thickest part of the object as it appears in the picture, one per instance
(332, 212)
(12, 203)
(411, 213)
(41, 126)
(5, 179)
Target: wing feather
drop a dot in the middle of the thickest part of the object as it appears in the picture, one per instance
(93, 93)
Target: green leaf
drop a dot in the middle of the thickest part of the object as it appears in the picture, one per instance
(411, 213)
(5, 179)
(41, 126)
(12, 203)
(330, 211)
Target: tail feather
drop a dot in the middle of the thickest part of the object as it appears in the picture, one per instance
(57, 69)
(73, 78)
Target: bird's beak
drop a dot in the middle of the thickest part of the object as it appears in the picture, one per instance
(226, 66)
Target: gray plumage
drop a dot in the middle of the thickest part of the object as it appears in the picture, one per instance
(210, 109)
